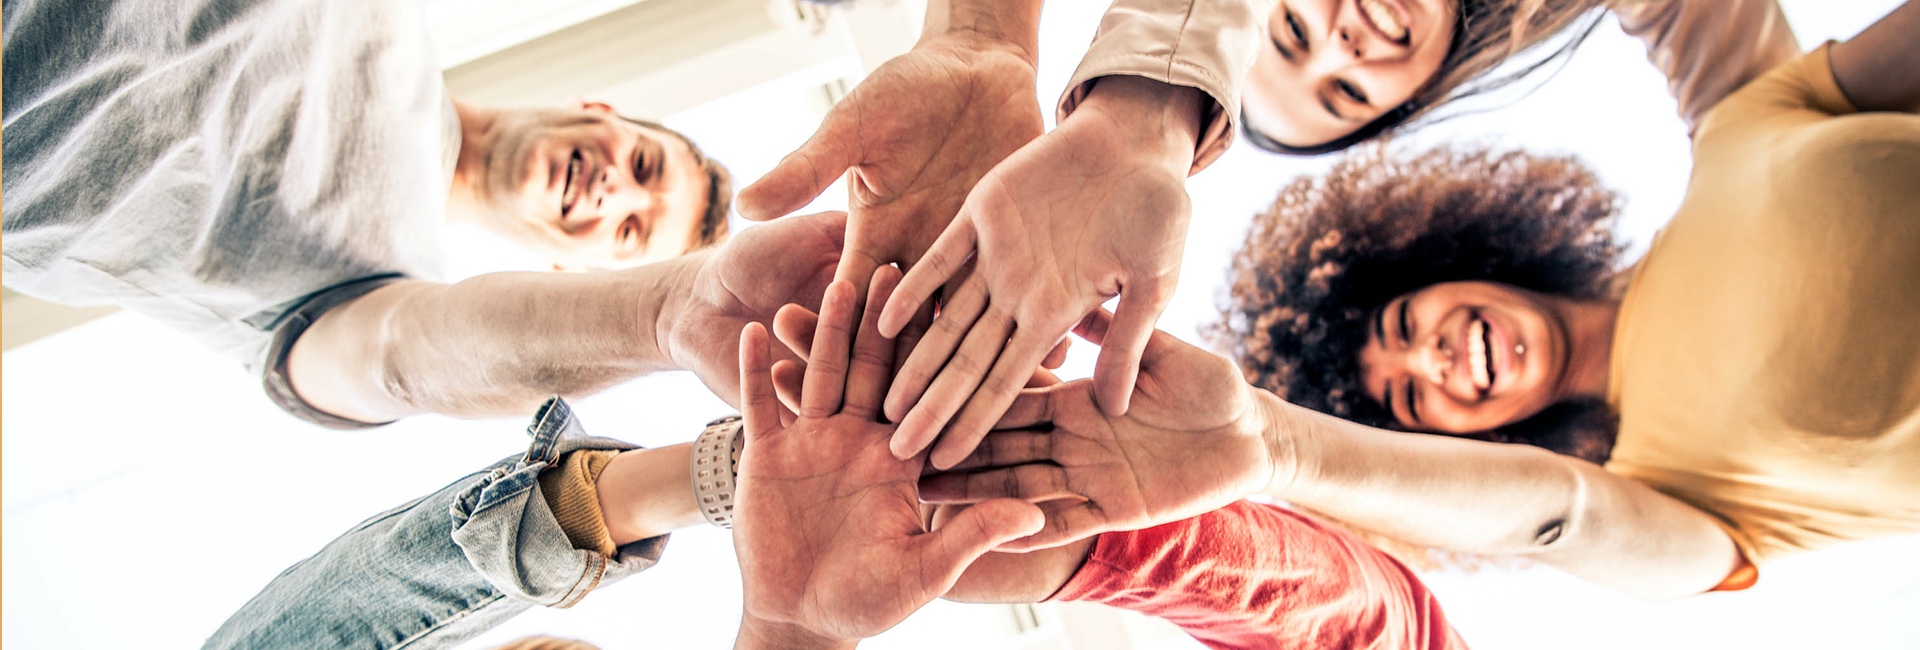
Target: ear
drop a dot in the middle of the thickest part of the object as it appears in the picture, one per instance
(596, 107)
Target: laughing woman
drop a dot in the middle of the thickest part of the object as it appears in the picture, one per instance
(1334, 73)
(1748, 390)
(1760, 371)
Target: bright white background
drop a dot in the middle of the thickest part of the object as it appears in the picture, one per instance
(147, 488)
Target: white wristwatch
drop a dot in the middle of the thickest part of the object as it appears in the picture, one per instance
(715, 469)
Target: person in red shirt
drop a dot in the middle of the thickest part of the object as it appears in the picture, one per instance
(1248, 576)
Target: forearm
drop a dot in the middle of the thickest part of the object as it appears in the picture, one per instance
(492, 345)
(1879, 69)
(1498, 499)
(1707, 50)
(1014, 23)
(647, 493)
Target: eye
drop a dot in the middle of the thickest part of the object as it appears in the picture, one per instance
(1406, 324)
(629, 236)
(1349, 90)
(1299, 33)
(639, 166)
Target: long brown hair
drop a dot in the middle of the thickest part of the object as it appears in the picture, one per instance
(1488, 33)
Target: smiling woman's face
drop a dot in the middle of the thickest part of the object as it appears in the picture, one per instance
(1331, 66)
(1464, 357)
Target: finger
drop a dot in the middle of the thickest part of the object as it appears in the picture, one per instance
(827, 362)
(909, 336)
(953, 388)
(941, 262)
(1007, 449)
(1093, 327)
(943, 336)
(1042, 378)
(1028, 482)
(872, 366)
(996, 392)
(1029, 408)
(788, 376)
(758, 406)
(802, 175)
(856, 268)
(1068, 521)
(1058, 355)
(1119, 363)
(793, 327)
(947, 551)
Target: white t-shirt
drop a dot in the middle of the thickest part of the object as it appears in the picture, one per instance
(214, 164)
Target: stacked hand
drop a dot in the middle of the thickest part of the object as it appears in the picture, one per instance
(916, 135)
(1096, 208)
(828, 531)
(745, 281)
(1192, 442)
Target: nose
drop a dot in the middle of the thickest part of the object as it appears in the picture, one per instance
(1430, 361)
(603, 188)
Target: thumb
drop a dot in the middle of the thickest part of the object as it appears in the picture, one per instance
(946, 552)
(802, 175)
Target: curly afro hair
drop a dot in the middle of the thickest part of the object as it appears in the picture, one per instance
(1331, 250)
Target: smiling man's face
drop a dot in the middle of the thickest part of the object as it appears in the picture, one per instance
(595, 190)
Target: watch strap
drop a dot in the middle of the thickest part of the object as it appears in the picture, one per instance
(716, 457)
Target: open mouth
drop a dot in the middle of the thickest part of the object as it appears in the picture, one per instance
(570, 193)
(1480, 355)
(1384, 20)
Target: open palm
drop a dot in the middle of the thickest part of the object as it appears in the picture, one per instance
(916, 135)
(1191, 442)
(827, 525)
(1054, 231)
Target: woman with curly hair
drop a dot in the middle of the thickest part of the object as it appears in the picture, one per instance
(1750, 389)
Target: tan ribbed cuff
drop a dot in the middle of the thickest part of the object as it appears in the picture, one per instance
(569, 489)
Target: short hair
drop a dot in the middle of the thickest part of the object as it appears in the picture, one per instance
(1332, 250)
(713, 221)
(1487, 33)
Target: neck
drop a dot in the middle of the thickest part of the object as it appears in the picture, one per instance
(469, 173)
(1589, 346)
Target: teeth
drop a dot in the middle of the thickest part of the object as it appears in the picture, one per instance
(573, 184)
(1383, 18)
(1477, 354)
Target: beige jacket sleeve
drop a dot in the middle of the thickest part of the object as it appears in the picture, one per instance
(1202, 44)
(1709, 48)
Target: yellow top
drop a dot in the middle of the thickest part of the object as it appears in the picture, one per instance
(1766, 360)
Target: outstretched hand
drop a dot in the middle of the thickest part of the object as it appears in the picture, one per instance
(1095, 209)
(827, 523)
(916, 135)
(748, 280)
(1193, 442)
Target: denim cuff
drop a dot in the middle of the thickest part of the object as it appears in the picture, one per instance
(503, 524)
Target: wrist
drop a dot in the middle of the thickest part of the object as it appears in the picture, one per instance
(1011, 26)
(1143, 117)
(664, 293)
(643, 493)
(1281, 439)
(760, 634)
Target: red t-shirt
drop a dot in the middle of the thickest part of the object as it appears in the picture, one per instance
(1258, 576)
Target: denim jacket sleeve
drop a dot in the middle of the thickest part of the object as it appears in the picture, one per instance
(442, 568)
